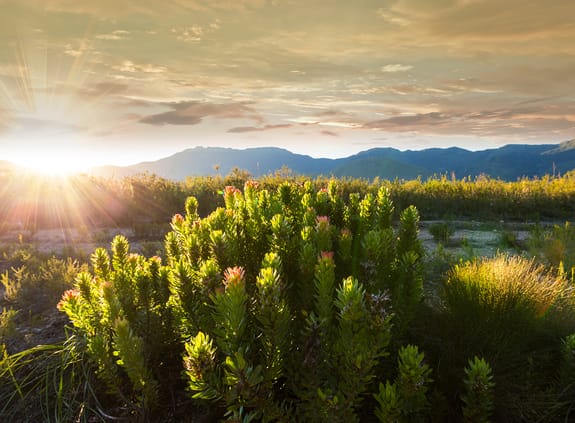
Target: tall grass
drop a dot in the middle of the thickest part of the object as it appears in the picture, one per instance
(505, 295)
(48, 383)
(514, 313)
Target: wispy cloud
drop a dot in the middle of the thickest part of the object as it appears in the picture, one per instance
(195, 32)
(396, 68)
(131, 67)
(242, 129)
(193, 112)
(410, 123)
(114, 36)
(47, 126)
(102, 89)
(330, 133)
(393, 17)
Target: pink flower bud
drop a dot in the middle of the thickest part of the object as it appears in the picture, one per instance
(234, 276)
(71, 295)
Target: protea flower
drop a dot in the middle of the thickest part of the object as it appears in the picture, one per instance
(234, 276)
(70, 296)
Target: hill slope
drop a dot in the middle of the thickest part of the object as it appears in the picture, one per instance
(509, 162)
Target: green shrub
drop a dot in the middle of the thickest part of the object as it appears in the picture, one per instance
(406, 399)
(554, 246)
(7, 324)
(441, 232)
(508, 240)
(35, 287)
(279, 304)
(478, 395)
(514, 313)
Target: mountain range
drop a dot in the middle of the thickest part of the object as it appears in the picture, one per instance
(509, 162)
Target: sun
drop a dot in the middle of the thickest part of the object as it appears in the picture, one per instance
(49, 114)
(54, 162)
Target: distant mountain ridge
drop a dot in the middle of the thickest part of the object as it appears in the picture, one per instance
(509, 162)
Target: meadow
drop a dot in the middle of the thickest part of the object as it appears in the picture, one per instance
(287, 299)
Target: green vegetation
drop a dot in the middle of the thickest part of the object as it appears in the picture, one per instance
(263, 301)
(513, 312)
(478, 396)
(146, 202)
(285, 299)
(441, 232)
(554, 246)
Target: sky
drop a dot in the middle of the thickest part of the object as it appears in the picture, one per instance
(87, 82)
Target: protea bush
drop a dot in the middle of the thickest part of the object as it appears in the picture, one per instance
(279, 305)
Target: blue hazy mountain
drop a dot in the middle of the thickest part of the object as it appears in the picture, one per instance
(509, 162)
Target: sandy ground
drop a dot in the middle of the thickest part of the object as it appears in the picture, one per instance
(480, 240)
(59, 241)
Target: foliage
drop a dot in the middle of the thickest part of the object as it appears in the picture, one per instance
(441, 232)
(406, 399)
(49, 383)
(121, 312)
(272, 302)
(478, 396)
(145, 200)
(554, 246)
(280, 299)
(36, 285)
(514, 313)
(7, 324)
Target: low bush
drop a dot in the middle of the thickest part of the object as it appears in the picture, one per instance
(515, 314)
(280, 304)
(441, 232)
(554, 246)
(35, 287)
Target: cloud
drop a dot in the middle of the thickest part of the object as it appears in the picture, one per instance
(330, 133)
(410, 122)
(443, 67)
(396, 68)
(195, 32)
(102, 89)
(112, 9)
(395, 18)
(114, 36)
(4, 119)
(466, 27)
(512, 19)
(242, 129)
(44, 126)
(79, 47)
(339, 124)
(131, 67)
(512, 123)
(193, 112)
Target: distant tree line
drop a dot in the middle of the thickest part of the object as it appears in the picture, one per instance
(32, 202)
